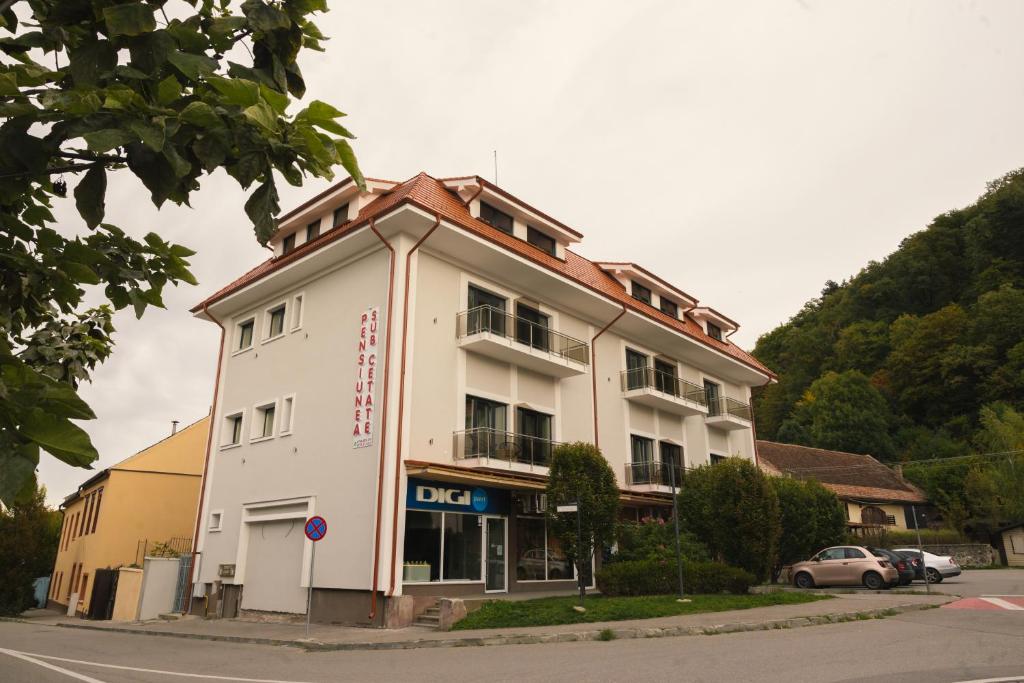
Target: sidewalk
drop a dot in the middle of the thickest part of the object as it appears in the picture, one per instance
(843, 607)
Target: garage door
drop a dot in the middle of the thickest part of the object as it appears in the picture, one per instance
(273, 567)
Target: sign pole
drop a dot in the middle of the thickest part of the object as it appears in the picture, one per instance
(927, 579)
(309, 593)
(675, 521)
(316, 529)
(579, 553)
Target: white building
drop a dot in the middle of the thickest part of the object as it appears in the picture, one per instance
(402, 367)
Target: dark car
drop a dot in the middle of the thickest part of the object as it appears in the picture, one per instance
(913, 557)
(902, 564)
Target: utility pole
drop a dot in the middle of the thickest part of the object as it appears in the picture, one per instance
(927, 579)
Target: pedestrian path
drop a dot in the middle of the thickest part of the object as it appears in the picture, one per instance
(1013, 603)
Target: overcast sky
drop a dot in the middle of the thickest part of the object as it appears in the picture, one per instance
(745, 151)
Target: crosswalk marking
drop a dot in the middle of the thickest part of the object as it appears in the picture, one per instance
(1013, 603)
(999, 602)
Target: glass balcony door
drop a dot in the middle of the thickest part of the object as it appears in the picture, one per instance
(533, 433)
(713, 392)
(531, 327)
(486, 312)
(486, 424)
(642, 459)
(665, 377)
(636, 369)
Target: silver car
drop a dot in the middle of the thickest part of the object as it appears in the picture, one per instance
(939, 567)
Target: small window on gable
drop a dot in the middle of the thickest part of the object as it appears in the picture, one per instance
(287, 414)
(245, 329)
(498, 219)
(263, 424)
(216, 518)
(715, 332)
(340, 216)
(233, 430)
(640, 293)
(288, 244)
(275, 321)
(540, 240)
(313, 230)
(669, 307)
(297, 303)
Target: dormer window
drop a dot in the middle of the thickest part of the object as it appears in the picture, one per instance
(714, 331)
(288, 244)
(540, 240)
(313, 230)
(669, 307)
(639, 292)
(340, 216)
(498, 219)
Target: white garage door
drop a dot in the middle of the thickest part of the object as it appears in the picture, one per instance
(273, 567)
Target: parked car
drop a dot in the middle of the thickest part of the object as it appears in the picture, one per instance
(938, 567)
(915, 560)
(845, 566)
(902, 564)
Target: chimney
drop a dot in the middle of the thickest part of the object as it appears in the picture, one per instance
(174, 427)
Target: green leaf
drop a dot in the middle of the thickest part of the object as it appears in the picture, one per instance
(262, 209)
(321, 111)
(90, 196)
(263, 17)
(151, 134)
(349, 163)
(262, 115)
(210, 152)
(8, 85)
(17, 468)
(129, 19)
(180, 166)
(278, 101)
(58, 436)
(192, 66)
(168, 90)
(237, 91)
(107, 139)
(201, 114)
(91, 60)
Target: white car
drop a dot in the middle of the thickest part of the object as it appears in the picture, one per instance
(939, 567)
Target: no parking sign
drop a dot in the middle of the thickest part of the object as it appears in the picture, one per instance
(316, 528)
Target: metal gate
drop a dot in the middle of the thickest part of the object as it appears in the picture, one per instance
(104, 590)
(181, 592)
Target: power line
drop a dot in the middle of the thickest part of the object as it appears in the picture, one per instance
(922, 461)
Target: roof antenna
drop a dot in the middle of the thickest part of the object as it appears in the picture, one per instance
(495, 167)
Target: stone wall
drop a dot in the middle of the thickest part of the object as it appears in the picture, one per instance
(967, 554)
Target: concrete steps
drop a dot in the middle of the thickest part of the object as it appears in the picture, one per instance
(430, 617)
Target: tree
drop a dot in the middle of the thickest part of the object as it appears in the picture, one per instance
(29, 533)
(579, 474)
(841, 411)
(811, 518)
(732, 508)
(653, 538)
(169, 92)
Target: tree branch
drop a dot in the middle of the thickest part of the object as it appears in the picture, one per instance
(92, 157)
(70, 168)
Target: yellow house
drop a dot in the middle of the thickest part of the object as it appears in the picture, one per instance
(110, 520)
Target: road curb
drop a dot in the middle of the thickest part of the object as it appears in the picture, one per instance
(607, 633)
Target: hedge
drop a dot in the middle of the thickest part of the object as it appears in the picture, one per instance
(655, 577)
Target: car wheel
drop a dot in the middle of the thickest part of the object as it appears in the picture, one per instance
(873, 581)
(803, 580)
(934, 576)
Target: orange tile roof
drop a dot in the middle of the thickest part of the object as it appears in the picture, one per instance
(432, 196)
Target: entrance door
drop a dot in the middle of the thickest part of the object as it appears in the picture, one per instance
(494, 579)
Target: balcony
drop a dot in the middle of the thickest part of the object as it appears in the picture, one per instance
(653, 476)
(663, 391)
(494, 333)
(486, 447)
(728, 414)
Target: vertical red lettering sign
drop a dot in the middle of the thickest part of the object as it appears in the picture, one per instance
(364, 411)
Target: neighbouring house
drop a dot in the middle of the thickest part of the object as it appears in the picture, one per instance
(1011, 544)
(141, 504)
(873, 494)
(404, 365)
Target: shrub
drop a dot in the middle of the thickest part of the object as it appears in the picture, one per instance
(811, 517)
(654, 539)
(655, 577)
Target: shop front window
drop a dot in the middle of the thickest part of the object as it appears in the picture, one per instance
(442, 546)
(540, 555)
(422, 546)
(463, 545)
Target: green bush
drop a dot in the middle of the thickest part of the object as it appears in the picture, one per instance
(898, 538)
(657, 577)
(812, 518)
(654, 539)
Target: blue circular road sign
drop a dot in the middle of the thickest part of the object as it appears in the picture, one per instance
(316, 528)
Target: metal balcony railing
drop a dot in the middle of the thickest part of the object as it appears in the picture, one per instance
(649, 378)
(503, 324)
(494, 444)
(729, 406)
(653, 472)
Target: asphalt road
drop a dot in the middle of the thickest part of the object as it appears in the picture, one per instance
(937, 646)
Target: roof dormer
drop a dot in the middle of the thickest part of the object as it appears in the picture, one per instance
(647, 287)
(716, 325)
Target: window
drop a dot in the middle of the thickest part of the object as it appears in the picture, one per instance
(832, 554)
(85, 516)
(442, 546)
(463, 547)
(215, 520)
(263, 424)
(275, 321)
(636, 369)
(669, 307)
(671, 453)
(486, 425)
(287, 414)
(531, 327)
(297, 311)
(486, 312)
(245, 334)
(854, 554)
(642, 453)
(233, 430)
(313, 230)
(340, 215)
(422, 546)
(96, 511)
(640, 292)
(74, 527)
(540, 240)
(713, 394)
(82, 587)
(715, 458)
(288, 245)
(498, 219)
(533, 438)
(715, 332)
(540, 555)
(665, 377)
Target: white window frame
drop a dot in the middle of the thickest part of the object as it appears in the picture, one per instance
(238, 335)
(284, 429)
(219, 516)
(228, 424)
(267, 338)
(298, 311)
(258, 419)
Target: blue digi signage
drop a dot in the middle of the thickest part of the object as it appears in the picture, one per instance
(439, 495)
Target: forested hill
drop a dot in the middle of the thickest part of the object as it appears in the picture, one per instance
(900, 360)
